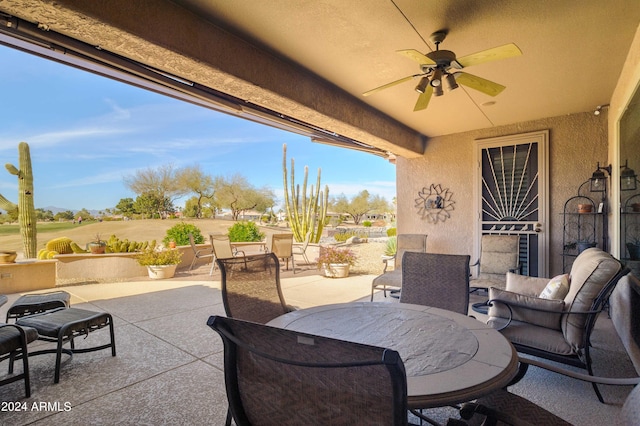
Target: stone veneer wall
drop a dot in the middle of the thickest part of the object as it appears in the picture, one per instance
(576, 143)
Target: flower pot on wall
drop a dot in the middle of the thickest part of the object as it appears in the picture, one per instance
(336, 270)
(97, 247)
(158, 272)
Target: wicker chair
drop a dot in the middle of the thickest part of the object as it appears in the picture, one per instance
(282, 377)
(556, 329)
(251, 288)
(438, 280)
(393, 279)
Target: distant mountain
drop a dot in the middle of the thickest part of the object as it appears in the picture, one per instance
(55, 210)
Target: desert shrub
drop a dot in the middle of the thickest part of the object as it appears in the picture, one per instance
(344, 236)
(392, 232)
(180, 234)
(392, 246)
(245, 231)
(366, 223)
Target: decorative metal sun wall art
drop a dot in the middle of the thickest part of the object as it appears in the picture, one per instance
(434, 203)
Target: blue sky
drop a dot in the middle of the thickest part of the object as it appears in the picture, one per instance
(86, 133)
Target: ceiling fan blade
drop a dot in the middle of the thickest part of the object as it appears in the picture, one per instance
(423, 99)
(478, 83)
(416, 56)
(502, 52)
(393, 83)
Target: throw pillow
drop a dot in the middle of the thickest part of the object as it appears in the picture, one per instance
(557, 288)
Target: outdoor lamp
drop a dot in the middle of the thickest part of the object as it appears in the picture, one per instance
(599, 179)
(627, 178)
(450, 82)
(422, 86)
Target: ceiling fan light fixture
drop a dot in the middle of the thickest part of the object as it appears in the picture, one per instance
(450, 82)
(437, 91)
(436, 79)
(422, 86)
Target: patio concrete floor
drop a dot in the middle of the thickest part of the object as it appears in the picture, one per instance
(168, 368)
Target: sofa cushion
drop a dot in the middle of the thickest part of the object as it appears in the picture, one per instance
(557, 288)
(590, 272)
(530, 286)
(533, 336)
(528, 312)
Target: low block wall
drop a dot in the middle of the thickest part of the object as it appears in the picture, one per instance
(27, 276)
(89, 266)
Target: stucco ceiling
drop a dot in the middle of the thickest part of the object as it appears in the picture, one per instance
(311, 60)
(573, 52)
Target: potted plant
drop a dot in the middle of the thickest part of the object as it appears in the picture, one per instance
(335, 262)
(97, 246)
(160, 263)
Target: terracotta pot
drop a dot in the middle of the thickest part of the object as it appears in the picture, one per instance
(8, 256)
(97, 248)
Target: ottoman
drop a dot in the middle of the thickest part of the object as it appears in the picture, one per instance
(30, 304)
(61, 325)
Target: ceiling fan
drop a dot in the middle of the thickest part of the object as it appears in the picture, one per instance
(441, 67)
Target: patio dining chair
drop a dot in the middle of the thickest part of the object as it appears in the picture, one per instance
(204, 253)
(282, 246)
(222, 249)
(251, 288)
(438, 280)
(499, 254)
(280, 377)
(301, 249)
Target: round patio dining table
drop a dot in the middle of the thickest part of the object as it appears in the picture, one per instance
(449, 358)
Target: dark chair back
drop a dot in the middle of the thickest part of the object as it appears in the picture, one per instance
(438, 280)
(281, 377)
(251, 288)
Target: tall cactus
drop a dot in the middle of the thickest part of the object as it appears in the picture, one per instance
(26, 209)
(308, 214)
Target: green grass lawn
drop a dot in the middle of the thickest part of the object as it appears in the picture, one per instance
(14, 229)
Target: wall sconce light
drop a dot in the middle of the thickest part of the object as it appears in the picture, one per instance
(627, 178)
(599, 179)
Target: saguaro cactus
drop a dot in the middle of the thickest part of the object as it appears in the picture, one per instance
(26, 209)
(307, 214)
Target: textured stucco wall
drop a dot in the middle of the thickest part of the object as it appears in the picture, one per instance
(576, 143)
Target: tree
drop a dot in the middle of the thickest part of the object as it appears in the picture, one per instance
(85, 214)
(66, 215)
(125, 206)
(159, 187)
(240, 196)
(193, 179)
(359, 205)
(44, 215)
(149, 205)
